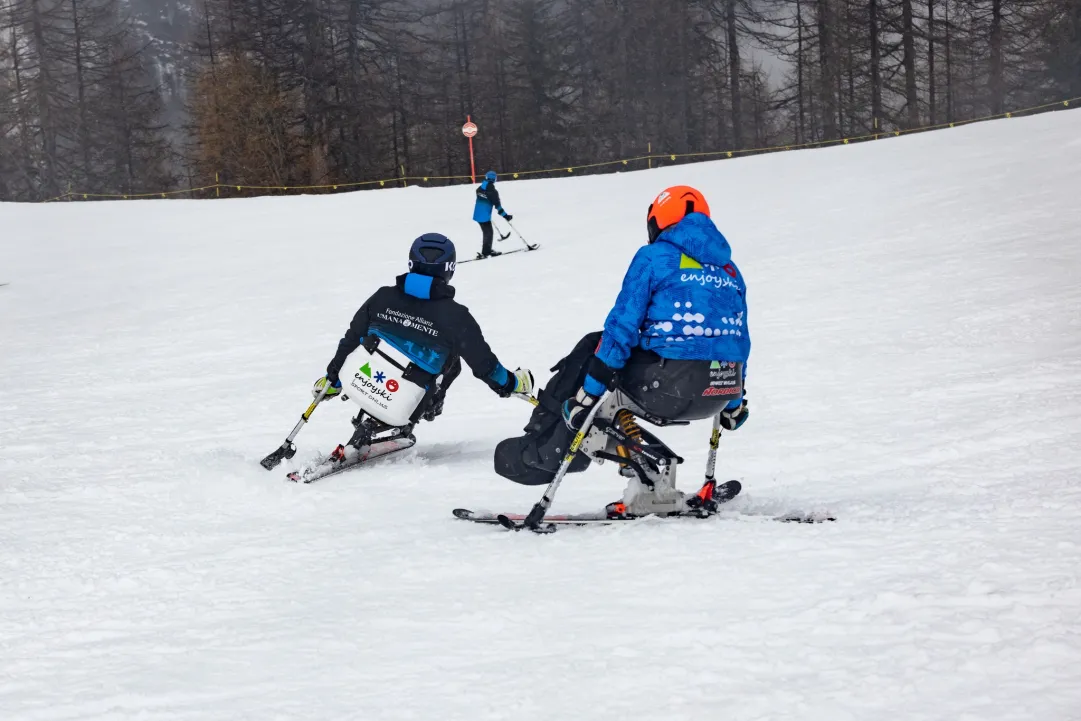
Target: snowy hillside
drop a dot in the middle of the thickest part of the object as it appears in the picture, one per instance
(916, 370)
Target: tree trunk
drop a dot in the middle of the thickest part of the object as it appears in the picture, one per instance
(827, 81)
(44, 88)
(931, 109)
(876, 67)
(467, 63)
(850, 68)
(841, 105)
(80, 86)
(402, 109)
(1073, 66)
(802, 129)
(912, 102)
(125, 132)
(734, 75)
(998, 89)
(949, 66)
(209, 37)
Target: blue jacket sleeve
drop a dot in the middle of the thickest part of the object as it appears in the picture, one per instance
(622, 328)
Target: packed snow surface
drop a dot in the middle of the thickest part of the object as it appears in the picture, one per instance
(915, 308)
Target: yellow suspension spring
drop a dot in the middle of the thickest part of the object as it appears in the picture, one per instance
(629, 425)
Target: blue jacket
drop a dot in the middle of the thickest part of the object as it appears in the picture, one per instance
(682, 298)
(487, 198)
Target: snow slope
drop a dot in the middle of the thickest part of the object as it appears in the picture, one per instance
(916, 317)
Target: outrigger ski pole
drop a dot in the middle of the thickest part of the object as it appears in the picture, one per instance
(714, 441)
(536, 516)
(287, 449)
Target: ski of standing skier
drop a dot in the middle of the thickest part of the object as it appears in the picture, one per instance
(487, 200)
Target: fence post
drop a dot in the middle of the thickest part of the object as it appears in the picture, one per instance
(217, 185)
(649, 155)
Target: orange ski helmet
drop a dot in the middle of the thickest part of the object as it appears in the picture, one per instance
(671, 206)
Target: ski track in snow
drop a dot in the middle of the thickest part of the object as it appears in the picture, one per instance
(916, 316)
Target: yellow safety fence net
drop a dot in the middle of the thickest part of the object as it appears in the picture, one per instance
(218, 187)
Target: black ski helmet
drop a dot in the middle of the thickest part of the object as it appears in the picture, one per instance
(433, 254)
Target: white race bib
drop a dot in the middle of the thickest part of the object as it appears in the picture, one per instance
(377, 386)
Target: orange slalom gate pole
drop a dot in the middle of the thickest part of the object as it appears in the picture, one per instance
(469, 130)
(472, 164)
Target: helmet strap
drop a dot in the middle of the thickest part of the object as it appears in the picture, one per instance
(652, 230)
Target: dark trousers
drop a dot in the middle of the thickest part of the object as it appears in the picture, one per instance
(486, 229)
(668, 390)
(436, 392)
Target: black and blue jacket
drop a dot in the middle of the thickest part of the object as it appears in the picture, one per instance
(487, 198)
(419, 316)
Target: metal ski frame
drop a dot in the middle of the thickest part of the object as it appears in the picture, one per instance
(714, 441)
(536, 515)
(287, 449)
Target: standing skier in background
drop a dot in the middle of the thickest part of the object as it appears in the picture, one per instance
(488, 198)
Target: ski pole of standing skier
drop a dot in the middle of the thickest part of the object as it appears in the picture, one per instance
(520, 236)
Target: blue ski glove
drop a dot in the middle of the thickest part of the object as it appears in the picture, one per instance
(333, 389)
(734, 417)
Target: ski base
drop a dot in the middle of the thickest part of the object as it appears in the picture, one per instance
(344, 458)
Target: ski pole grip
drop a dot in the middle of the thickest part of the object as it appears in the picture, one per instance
(311, 409)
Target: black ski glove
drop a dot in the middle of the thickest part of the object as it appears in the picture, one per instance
(576, 409)
(434, 408)
(508, 217)
(733, 418)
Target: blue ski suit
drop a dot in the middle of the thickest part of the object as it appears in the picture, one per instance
(682, 298)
